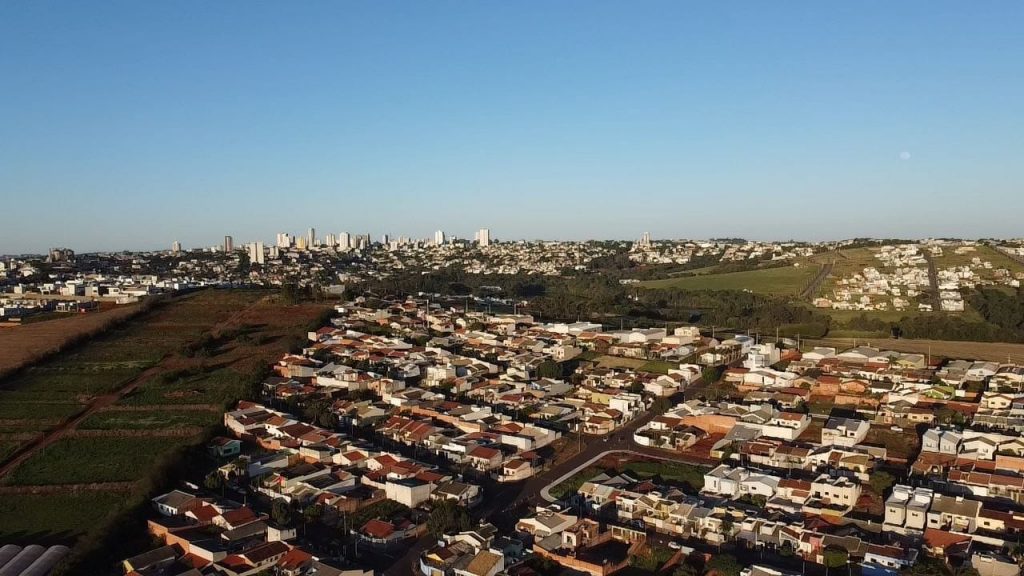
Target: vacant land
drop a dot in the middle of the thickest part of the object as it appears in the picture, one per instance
(620, 362)
(994, 351)
(113, 409)
(789, 280)
(23, 345)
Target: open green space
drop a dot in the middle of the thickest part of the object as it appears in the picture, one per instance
(215, 387)
(8, 447)
(784, 280)
(571, 485)
(86, 460)
(658, 366)
(54, 518)
(17, 408)
(149, 419)
(71, 381)
(678, 473)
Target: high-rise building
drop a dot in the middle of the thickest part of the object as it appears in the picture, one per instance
(311, 238)
(275, 252)
(257, 253)
(645, 240)
(176, 247)
(344, 241)
(384, 239)
(330, 241)
(229, 244)
(300, 243)
(483, 237)
(284, 240)
(439, 237)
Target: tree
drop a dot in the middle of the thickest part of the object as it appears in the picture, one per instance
(660, 405)
(836, 557)
(549, 369)
(727, 525)
(311, 514)
(881, 481)
(447, 517)
(214, 482)
(281, 512)
(725, 565)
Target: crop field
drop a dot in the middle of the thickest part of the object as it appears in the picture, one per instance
(88, 460)
(12, 408)
(171, 368)
(219, 386)
(149, 419)
(55, 518)
(789, 280)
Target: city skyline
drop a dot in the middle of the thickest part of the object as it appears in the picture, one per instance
(542, 121)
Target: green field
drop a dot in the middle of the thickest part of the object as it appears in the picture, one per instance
(216, 387)
(54, 518)
(87, 460)
(72, 380)
(572, 484)
(149, 419)
(677, 473)
(789, 280)
(20, 409)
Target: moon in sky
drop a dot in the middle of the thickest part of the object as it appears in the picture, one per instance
(904, 155)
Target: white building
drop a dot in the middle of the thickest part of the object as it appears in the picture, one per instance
(483, 237)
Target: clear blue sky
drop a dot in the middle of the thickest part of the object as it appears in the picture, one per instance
(128, 124)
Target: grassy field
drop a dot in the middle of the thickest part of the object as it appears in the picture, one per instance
(149, 419)
(571, 485)
(677, 473)
(88, 460)
(785, 280)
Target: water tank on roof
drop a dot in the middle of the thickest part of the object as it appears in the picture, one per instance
(45, 564)
(23, 560)
(7, 553)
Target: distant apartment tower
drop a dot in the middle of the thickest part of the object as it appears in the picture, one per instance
(229, 244)
(176, 247)
(645, 240)
(257, 253)
(439, 237)
(330, 241)
(311, 238)
(385, 239)
(300, 243)
(284, 240)
(344, 241)
(483, 237)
